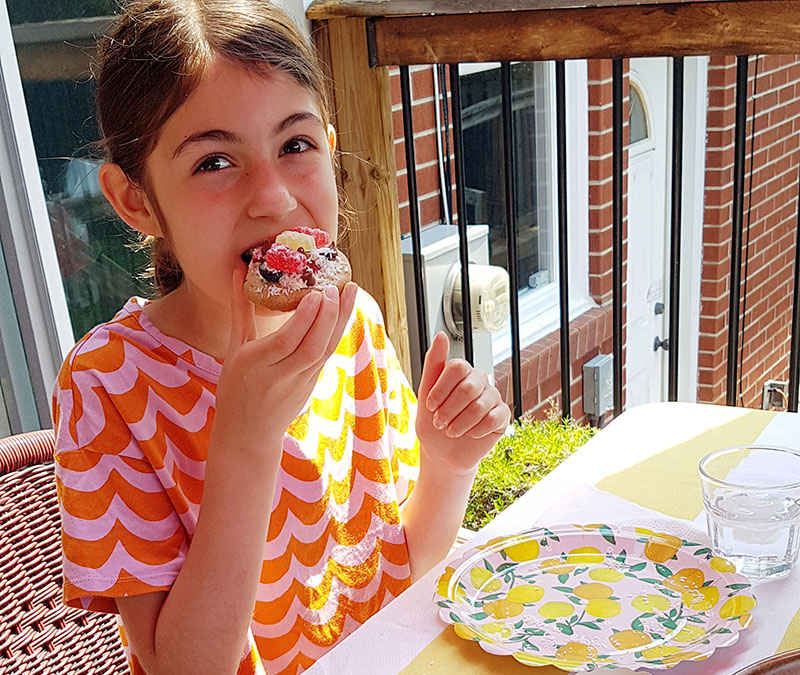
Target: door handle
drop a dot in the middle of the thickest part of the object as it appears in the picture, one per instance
(664, 344)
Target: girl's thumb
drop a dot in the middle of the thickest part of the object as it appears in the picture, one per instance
(243, 325)
(435, 361)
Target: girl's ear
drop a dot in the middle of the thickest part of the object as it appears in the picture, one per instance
(331, 139)
(129, 200)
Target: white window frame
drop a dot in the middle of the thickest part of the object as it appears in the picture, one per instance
(36, 289)
(539, 311)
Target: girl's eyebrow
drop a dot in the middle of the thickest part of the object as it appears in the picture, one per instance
(296, 118)
(210, 135)
(227, 136)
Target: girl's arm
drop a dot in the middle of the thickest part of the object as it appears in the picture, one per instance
(459, 419)
(200, 625)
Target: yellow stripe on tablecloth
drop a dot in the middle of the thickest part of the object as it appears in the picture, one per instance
(449, 654)
(668, 482)
(791, 638)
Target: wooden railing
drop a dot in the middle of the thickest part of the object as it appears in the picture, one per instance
(360, 39)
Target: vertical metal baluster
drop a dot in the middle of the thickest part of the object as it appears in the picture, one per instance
(675, 235)
(616, 112)
(563, 268)
(463, 243)
(413, 211)
(511, 231)
(794, 353)
(736, 228)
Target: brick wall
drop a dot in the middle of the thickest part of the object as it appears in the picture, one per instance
(768, 241)
(770, 221)
(590, 333)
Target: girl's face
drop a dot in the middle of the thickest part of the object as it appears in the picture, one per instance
(244, 158)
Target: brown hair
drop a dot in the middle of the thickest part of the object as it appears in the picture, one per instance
(155, 55)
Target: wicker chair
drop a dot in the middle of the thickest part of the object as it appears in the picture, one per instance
(38, 634)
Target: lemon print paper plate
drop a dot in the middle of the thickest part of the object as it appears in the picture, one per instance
(595, 595)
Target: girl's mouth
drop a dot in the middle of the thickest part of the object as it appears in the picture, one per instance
(247, 256)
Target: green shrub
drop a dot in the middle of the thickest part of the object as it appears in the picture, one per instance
(519, 459)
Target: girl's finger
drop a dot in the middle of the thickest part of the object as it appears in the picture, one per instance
(346, 303)
(284, 342)
(243, 321)
(494, 423)
(467, 418)
(459, 385)
(435, 361)
(312, 349)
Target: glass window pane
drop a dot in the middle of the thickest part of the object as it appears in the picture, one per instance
(25, 11)
(638, 120)
(484, 167)
(99, 267)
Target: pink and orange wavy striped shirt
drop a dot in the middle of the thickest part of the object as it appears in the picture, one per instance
(133, 410)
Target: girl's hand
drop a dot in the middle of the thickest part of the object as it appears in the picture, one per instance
(266, 381)
(460, 415)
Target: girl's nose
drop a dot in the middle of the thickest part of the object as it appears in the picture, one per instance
(268, 193)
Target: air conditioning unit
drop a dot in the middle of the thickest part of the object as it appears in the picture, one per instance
(442, 280)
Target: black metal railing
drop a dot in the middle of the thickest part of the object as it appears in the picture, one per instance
(675, 201)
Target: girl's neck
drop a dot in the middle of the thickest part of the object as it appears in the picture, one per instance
(199, 322)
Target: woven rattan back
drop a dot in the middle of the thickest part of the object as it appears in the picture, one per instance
(38, 634)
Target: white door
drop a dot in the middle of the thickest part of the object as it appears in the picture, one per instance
(647, 276)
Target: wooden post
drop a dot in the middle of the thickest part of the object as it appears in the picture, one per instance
(368, 175)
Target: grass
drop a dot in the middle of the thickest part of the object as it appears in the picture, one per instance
(531, 450)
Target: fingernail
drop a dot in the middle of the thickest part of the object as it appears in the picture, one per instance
(331, 292)
(438, 422)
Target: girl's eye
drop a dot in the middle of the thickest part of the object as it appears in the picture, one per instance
(296, 146)
(214, 163)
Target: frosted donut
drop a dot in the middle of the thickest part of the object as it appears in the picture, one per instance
(299, 261)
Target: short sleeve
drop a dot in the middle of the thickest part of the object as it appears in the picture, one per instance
(121, 535)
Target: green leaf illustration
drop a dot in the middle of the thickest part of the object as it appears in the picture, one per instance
(608, 534)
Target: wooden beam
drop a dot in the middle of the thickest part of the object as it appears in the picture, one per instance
(331, 9)
(674, 29)
(368, 175)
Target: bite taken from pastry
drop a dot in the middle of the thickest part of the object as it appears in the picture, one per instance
(299, 261)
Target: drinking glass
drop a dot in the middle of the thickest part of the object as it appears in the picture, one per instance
(751, 495)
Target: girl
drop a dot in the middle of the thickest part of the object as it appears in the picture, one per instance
(244, 488)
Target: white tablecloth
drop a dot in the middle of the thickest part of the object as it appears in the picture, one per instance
(623, 475)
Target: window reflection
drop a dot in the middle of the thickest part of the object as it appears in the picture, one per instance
(54, 42)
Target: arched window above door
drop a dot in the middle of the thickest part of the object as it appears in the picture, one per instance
(639, 125)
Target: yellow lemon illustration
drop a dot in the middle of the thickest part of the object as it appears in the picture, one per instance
(661, 547)
(586, 555)
(555, 610)
(482, 580)
(736, 606)
(722, 565)
(591, 591)
(526, 550)
(576, 653)
(466, 632)
(603, 608)
(689, 633)
(660, 652)
(606, 574)
(628, 639)
(685, 656)
(497, 627)
(687, 579)
(503, 609)
(491, 543)
(701, 598)
(648, 602)
(556, 566)
(444, 581)
(525, 594)
(643, 531)
(590, 527)
(745, 619)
